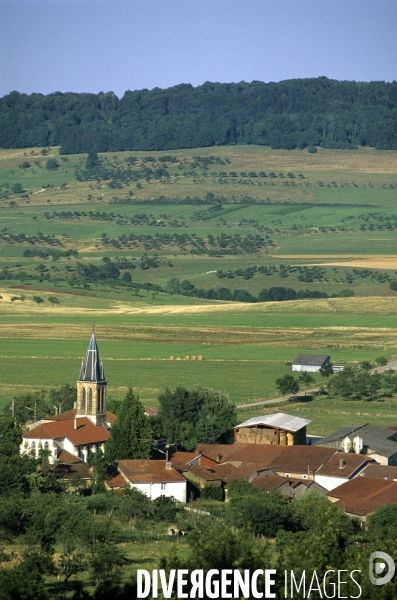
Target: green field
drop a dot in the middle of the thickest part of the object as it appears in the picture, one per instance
(326, 222)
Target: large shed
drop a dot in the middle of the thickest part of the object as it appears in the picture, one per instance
(376, 442)
(278, 429)
(310, 362)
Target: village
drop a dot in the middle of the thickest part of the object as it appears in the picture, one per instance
(354, 467)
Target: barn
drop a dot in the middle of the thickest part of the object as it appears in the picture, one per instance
(278, 429)
(310, 362)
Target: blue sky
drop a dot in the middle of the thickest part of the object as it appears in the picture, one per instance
(115, 45)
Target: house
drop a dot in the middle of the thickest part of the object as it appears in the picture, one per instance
(291, 488)
(376, 442)
(295, 462)
(276, 429)
(220, 475)
(340, 468)
(362, 496)
(311, 363)
(151, 411)
(154, 478)
(301, 462)
(69, 472)
(379, 472)
(261, 456)
(272, 481)
(78, 432)
(181, 459)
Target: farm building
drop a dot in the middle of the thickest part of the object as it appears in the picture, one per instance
(277, 429)
(154, 478)
(376, 442)
(361, 496)
(310, 362)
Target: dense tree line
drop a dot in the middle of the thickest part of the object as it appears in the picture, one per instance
(273, 294)
(290, 114)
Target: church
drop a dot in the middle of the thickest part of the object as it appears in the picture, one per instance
(71, 436)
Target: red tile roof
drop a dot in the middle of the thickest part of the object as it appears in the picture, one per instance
(287, 459)
(67, 472)
(301, 459)
(86, 432)
(68, 458)
(148, 471)
(379, 471)
(151, 411)
(361, 508)
(184, 458)
(269, 482)
(367, 488)
(261, 455)
(351, 463)
(233, 472)
(115, 482)
(225, 472)
(70, 414)
(205, 473)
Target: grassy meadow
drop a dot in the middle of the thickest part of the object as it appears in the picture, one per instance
(327, 222)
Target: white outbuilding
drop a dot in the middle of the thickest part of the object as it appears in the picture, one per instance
(154, 478)
(311, 363)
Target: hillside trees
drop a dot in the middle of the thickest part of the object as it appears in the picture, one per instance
(290, 114)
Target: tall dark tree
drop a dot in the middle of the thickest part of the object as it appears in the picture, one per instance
(130, 436)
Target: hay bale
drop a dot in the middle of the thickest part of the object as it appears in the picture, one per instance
(186, 357)
(200, 358)
(178, 358)
(172, 358)
(193, 358)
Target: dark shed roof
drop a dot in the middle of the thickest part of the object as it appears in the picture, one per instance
(374, 437)
(311, 360)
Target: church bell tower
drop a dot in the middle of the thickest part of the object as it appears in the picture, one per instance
(91, 387)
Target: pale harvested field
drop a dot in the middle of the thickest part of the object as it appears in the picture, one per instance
(370, 263)
(360, 257)
(363, 160)
(356, 305)
(358, 261)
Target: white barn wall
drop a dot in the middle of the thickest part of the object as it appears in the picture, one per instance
(329, 483)
(171, 489)
(308, 368)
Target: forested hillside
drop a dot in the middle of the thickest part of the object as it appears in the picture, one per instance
(291, 114)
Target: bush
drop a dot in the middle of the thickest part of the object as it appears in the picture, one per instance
(381, 361)
(212, 492)
(52, 164)
(17, 188)
(346, 294)
(393, 286)
(312, 149)
(165, 509)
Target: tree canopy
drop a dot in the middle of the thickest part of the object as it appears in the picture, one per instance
(130, 436)
(200, 415)
(296, 113)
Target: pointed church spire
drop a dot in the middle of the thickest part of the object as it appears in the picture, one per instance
(92, 368)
